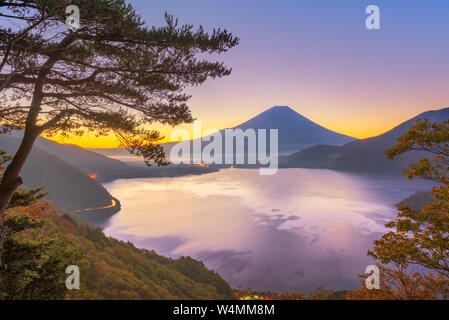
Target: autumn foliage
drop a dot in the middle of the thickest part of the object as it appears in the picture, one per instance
(42, 242)
(415, 253)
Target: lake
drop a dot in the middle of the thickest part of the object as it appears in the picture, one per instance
(291, 231)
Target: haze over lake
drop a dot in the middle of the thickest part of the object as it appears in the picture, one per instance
(291, 231)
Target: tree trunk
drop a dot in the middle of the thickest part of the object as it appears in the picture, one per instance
(11, 181)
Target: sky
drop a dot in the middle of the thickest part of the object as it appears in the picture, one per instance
(317, 57)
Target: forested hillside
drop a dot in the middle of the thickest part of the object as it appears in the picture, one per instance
(37, 255)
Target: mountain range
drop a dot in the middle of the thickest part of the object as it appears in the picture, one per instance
(73, 175)
(106, 169)
(69, 186)
(367, 155)
(295, 132)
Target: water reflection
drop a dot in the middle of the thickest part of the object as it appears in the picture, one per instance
(292, 231)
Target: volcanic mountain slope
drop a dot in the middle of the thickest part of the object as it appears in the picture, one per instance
(367, 155)
(295, 131)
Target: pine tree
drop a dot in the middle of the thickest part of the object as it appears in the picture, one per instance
(111, 75)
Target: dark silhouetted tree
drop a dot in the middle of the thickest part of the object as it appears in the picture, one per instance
(111, 75)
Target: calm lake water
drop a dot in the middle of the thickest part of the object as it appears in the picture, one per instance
(291, 231)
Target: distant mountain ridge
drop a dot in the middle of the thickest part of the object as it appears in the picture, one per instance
(295, 132)
(72, 174)
(367, 155)
(69, 187)
(102, 167)
(64, 169)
